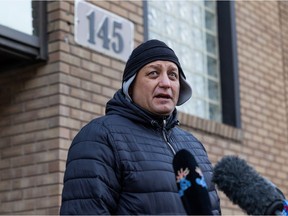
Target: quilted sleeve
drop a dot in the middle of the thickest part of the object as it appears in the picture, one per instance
(91, 180)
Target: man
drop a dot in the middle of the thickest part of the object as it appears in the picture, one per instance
(121, 163)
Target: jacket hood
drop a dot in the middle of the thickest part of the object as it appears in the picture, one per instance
(119, 105)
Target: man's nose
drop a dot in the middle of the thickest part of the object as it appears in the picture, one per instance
(164, 82)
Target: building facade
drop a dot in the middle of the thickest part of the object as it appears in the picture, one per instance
(44, 102)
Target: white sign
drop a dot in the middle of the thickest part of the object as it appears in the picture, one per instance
(103, 31)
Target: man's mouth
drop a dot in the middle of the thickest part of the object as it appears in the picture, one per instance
(164, 96)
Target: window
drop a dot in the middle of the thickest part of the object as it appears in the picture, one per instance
(193, 30)
(22, 37)
(23, 10)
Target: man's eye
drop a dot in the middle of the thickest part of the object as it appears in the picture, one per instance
(173, 75)
(153, 73)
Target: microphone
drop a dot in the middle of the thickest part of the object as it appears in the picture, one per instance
(246, 188)
(191, 184)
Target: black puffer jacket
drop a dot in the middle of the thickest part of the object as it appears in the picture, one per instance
(121, 164)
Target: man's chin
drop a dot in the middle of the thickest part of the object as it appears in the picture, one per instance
(164, 111)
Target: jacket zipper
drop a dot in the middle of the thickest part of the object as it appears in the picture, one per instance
(166, 139)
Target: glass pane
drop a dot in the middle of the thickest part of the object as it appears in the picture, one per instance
(211, 43)
(197, 15)
(17, 14)
(186, 60)
(210, 4)
(189, 107)
(210, 21)
(185, 11)
(199, 61)
(214, 111)
(213, 90)
(199, 39)
(153, 16)
(201, 107)
(170, 6)
(184, 32)
(199, 86)
(212, 67)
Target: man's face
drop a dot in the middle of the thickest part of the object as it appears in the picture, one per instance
(156, 87)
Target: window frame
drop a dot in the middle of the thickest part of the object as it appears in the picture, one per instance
(227, 38)
(228, 60)
(25, 48)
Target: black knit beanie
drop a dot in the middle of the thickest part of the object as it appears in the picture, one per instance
(147, 52)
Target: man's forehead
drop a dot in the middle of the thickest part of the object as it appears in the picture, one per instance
(160, 63)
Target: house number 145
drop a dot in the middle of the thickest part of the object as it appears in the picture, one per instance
(103, 31)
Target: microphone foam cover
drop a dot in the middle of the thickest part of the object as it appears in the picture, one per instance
(245, 187)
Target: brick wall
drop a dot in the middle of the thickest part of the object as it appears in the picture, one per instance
(262, 87)
(42, 107)
(283, 8)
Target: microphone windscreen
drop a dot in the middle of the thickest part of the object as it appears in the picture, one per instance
(191, 184)
(246, 188)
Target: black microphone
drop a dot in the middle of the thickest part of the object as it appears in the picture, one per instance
(245, 187)
(191, 184)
